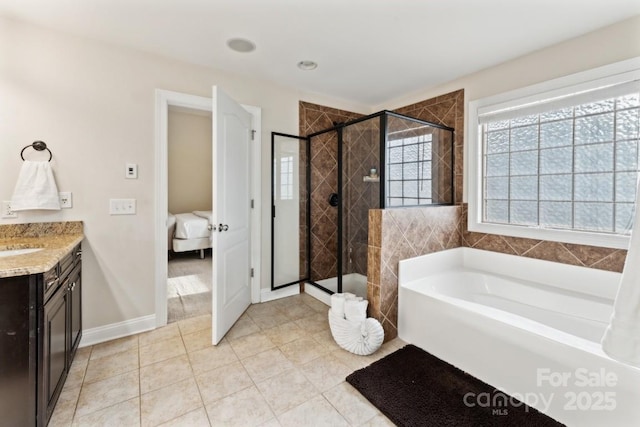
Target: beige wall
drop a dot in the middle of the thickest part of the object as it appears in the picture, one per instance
(93, 103)
(610, 44)
(605, 46)
(189, 161)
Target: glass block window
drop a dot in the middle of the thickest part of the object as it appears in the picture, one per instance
(286, 178)
(570, 164)
(409, 177)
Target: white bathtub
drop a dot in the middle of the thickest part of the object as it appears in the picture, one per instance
(528, 327)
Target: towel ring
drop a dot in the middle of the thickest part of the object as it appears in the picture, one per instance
(38, 146)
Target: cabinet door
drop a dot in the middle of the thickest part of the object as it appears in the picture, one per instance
(55, 347)
(17, 351)
(75, 311)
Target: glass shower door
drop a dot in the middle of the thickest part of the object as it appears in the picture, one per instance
(289, 206)
(361, 192)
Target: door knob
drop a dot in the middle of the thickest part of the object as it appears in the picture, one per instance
(211, 227)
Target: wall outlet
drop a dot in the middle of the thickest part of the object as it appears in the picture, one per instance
(66, 199)
(122, 206)
(6, 210)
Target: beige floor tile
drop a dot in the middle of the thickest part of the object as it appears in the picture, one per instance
(161, 374)
(325, 339)
(378, 421)
(65, 407)
(245, 408)
(316, 412)
(163, 333)
(194, 324)
(212, 357)
(353, 361)
(109, 366)
(297, 311)
(273, 422)
(197, 418)
(271, 320)
(286, 391)
(250, 345)
(75, 377)
(325, 372)
(351, 404)
(284, 333)
(267, 364)
(126, 413)
(315, 304)
(302, 350)
(198, 340)
(162, 350)
(244, 326)
(107, 392)
(262, 309)
(169, 402)
(82, 353)
(315, 323)
(223, 381)
(114, 346)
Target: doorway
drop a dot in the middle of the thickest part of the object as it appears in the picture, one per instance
(166, 100)
(190, 169)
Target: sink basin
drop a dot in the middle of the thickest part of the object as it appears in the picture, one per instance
(14, 252)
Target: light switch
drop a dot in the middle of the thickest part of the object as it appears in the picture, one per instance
(122, 206)
(131, 171)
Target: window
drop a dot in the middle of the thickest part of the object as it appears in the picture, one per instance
(561, 165)
(409, 181)
(286, 178)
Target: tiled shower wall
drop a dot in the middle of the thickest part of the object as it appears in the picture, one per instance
(396, 234)
(324, 179)
(361, 145)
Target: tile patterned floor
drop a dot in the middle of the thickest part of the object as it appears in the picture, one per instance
(188, 285)
(277, 366)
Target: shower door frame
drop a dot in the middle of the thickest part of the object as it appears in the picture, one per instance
(338, 128)
(307, 276)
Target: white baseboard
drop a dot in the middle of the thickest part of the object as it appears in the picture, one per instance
(269, 295)
(318, 294)
(117, 330)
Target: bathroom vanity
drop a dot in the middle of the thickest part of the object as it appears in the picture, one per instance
(40, 323)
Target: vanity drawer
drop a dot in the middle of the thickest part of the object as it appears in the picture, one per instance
(50, 282)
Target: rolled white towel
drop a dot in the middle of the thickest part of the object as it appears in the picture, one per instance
(355, 310)
(337, 304)
(360, 338)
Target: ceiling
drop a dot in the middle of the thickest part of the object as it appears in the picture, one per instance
(368, 51)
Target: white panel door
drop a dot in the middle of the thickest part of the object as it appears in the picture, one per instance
(231, 243)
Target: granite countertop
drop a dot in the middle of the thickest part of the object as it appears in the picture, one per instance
(56, 238)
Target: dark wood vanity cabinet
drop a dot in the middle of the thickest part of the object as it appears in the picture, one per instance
(40, 329)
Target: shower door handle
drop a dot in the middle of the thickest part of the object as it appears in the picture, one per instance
(333, 199)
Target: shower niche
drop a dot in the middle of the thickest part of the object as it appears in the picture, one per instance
(324, 184)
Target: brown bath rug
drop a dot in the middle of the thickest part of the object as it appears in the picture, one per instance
(413, 388)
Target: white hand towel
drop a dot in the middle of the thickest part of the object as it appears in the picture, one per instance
(36, 188)
(355, 310)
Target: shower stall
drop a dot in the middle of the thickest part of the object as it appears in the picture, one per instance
(325, 183)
